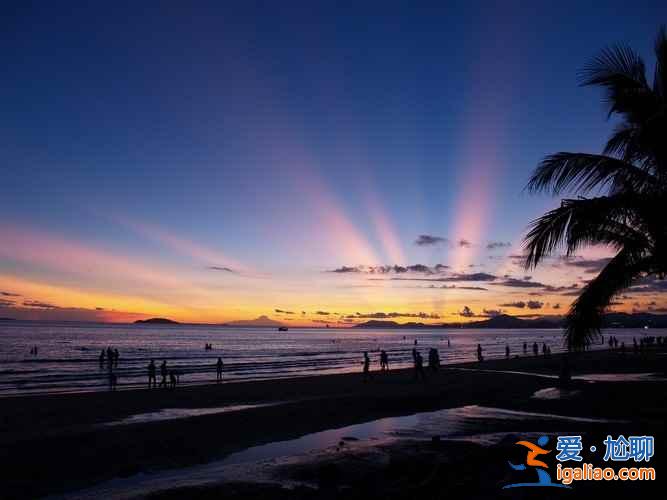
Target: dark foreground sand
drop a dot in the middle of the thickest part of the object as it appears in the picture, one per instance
(53, 444)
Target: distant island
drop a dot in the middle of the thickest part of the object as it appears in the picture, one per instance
(156, 321)
(609, 320)
(7, 319)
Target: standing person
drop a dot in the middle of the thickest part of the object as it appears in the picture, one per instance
(102, 358)
(109, 355)
(152, 379)
(480, 358)
(507, 350)
(544, 349)
(116, 357)
(525, 347)
(535, 349)
(367, 366)
(449, 344)
(163, 373)
(419, 367)
(384, 361)
(218, 369)
(434, 359)
(112, 377)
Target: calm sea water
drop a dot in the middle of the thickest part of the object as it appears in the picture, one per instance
(68, 355)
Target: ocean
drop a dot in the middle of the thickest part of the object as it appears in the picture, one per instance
(68, 353)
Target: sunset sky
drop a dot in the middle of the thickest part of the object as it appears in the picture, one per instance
(310, 163)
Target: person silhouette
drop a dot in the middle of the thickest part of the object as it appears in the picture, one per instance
(367, 367)
(172, 379)
(384, 361)
(152, 379)
(535, 349)
(102, 358)
(163, 373)
(419, 367)
(525, 348)
(218, 369)
(116, 357)
(507, 350)
(433, 359)
(480, 358)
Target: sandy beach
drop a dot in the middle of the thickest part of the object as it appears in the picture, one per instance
(59, 443)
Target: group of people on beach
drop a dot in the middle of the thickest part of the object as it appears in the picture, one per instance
(110, 356)
(546, 350)
(417, 359)
(171, 378)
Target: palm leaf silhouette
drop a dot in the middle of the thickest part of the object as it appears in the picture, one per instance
(629, 178)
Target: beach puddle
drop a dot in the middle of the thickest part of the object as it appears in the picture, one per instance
(509, 372)
(178, 413)
(621, 377)
(554, 393)
(469, 423)
(589, 377)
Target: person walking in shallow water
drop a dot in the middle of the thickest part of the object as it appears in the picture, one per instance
(163, 373)
(480, 358)
(218, 369)
(152, 379)
(507, 350)
(433, 359)
(419, 367)
(535, 349)
(384, 361)
(367, 367)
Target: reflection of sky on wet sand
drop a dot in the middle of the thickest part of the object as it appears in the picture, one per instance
(468, 423)
(178, 413)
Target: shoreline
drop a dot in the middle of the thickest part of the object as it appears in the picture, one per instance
(35, 429)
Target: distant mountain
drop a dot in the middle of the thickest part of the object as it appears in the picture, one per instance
(375, 323)
(156, 321)
(610, 320)
(636, 320)
(512, 322)
(261, 322)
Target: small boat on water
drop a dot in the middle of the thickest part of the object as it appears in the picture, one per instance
(282, 328)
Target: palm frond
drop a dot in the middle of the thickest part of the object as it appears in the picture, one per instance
(584, 319)
(581, 173)
(621, 71)
(605, 220)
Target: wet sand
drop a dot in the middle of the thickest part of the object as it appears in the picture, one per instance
(53, 444)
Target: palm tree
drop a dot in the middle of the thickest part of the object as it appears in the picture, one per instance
(622, 193)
